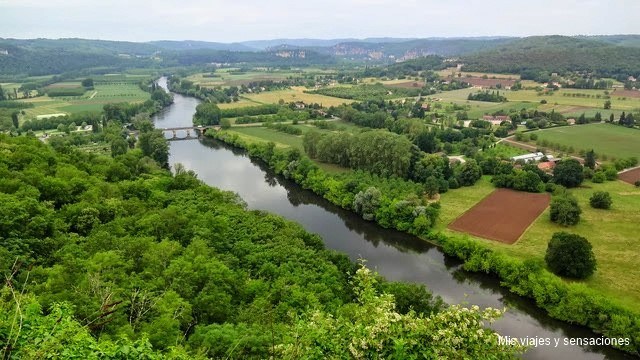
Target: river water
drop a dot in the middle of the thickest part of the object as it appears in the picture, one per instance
(395, 255)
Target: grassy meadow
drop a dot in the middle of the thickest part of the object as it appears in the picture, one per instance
(92, 100)
(610, 140)
(613, 233)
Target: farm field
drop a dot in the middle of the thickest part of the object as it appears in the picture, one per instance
(502, 216)
(558, 98)
(630, 176)
(233, 77)
(613, 233)
(610, 140)
(453, 70)
(567, 105)
(92, 100)
(264, 134)
(296, 94)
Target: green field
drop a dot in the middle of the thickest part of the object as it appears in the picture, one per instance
(92, 100)
(611, 140)
(561, 101)
(613, 233)
(234, 77)
(263, 134)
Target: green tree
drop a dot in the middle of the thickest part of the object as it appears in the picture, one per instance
(366, 203)
(431, 186)
(427, 142)
(154, 145)
(470, 172)
(88, 83)
(564, 209)
(15, 120)
(225, 124)
(568, 173)
(207, 113)
(607, 105)
(590, 159)
(119, 146)
(570, 255)
(600, 200)
(373, 329)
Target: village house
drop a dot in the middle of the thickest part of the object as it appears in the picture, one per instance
(571, 121)
(496, 120)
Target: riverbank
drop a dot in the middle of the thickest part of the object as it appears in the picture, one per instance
(570, 302)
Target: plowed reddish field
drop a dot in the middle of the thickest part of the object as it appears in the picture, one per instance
(502, 216)
(630, 176)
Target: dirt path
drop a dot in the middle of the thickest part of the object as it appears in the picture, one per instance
(93, 95)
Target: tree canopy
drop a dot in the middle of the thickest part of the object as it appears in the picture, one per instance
(570, 255)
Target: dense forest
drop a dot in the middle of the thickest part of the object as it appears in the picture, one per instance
(537, 57)
(116, 256)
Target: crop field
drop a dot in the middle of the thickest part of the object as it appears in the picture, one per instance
(449, 71)
(402, 83)
(570, 97)
(233, 77)
(613, 233)
(65, 85)
(611, 140)
(109, 78)
(502, 216)
(564, 101)
(630, 176)
(92, 100)
(296, 94)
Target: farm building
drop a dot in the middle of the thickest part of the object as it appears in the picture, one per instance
(547, 166)
(537, 156)
(571, 121)
(496, 120)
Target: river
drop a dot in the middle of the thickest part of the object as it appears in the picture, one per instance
(395, 255)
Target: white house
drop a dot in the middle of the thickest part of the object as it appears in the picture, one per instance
(537, 156)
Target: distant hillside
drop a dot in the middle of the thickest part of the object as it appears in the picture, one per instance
(406, 50)
(533, 57)
(82, 45)
(32, 62)
(622, 40)
(195, 45)
(279, 57)
(45, 56)
(313, 43)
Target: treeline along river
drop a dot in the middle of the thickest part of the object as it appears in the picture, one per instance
(395, 255)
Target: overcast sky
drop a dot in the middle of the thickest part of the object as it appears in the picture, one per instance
(238, 20)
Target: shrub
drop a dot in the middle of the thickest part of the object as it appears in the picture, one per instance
(637, 183)
(570, 255)
(600, 200)
(564, 209)
(599, 177)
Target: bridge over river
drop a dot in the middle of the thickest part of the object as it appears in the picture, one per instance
(192, 132)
